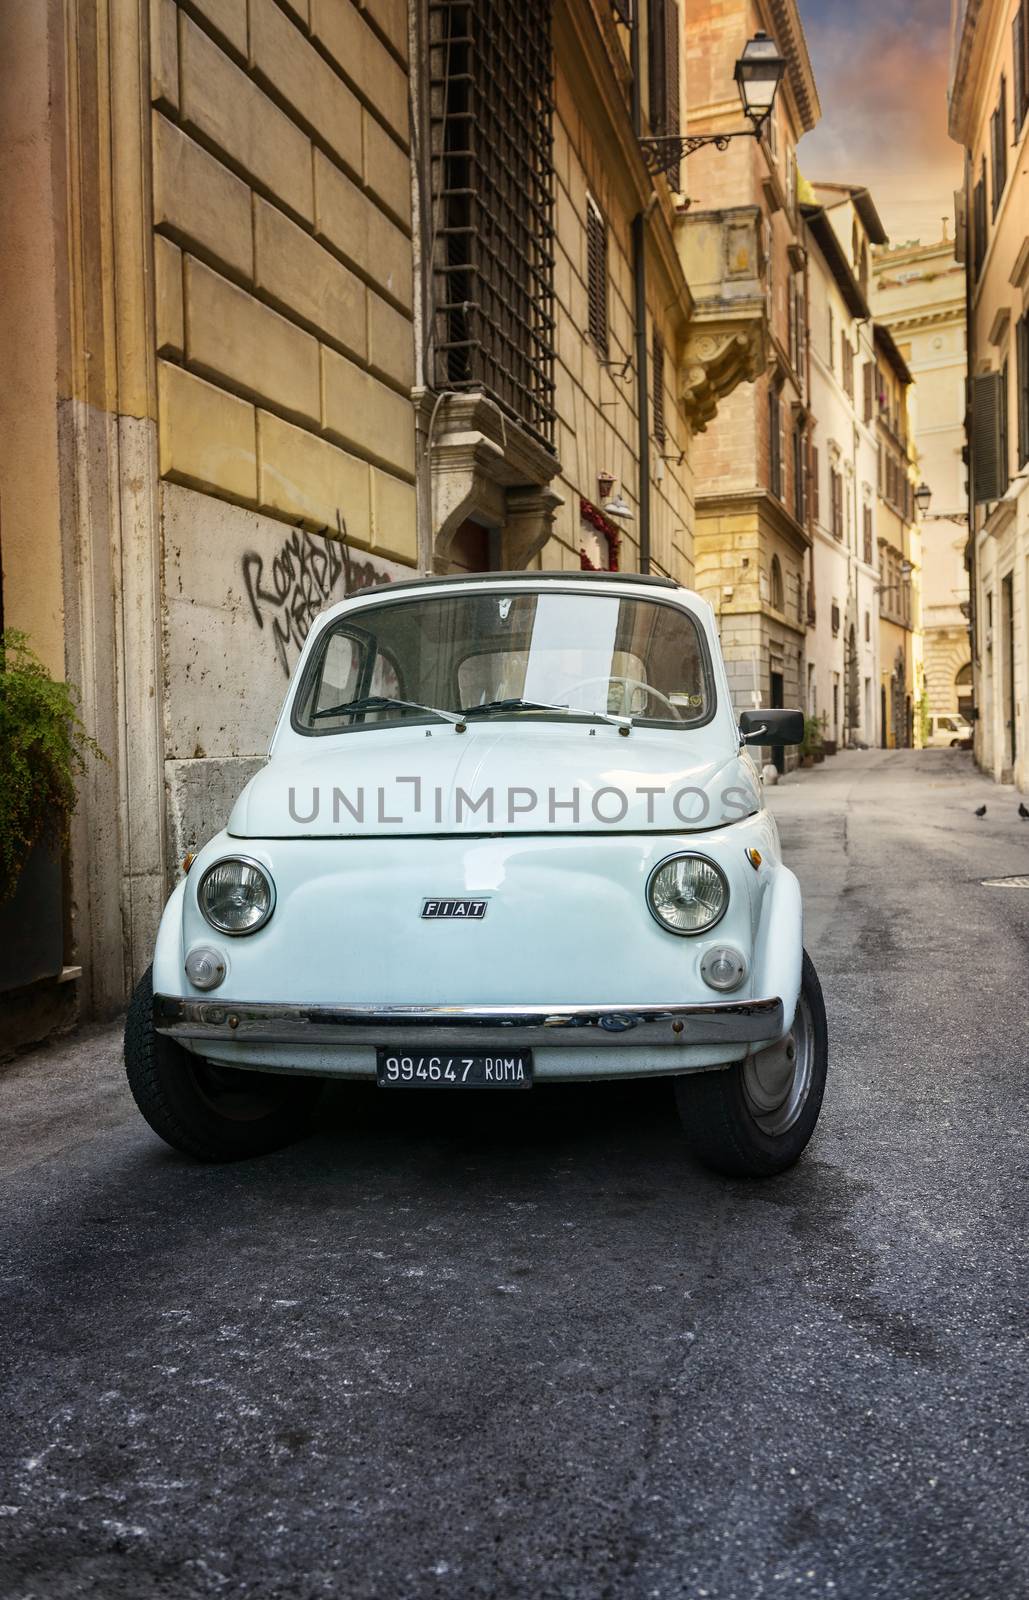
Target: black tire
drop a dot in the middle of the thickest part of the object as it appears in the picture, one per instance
(213, 1113)
(720, 1118)
(954, 743)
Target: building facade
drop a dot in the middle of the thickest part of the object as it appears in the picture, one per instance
(989, 117)
(919, 294)
(297, 297)
(842, 672)
(901, 668)
(752, 507)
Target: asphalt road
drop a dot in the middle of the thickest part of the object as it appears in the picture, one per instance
(525, 1348)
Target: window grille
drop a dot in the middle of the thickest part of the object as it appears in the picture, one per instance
(657, 362)
(491, 111)
(596, 274)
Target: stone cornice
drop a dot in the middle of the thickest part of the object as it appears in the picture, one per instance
(800, 78)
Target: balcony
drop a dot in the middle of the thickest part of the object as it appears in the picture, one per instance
(728, 341)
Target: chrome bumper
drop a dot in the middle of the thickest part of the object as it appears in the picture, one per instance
(487, 1027)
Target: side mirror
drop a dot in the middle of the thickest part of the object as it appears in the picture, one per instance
(772, 727)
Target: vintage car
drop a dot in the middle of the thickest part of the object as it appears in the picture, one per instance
(509, 833)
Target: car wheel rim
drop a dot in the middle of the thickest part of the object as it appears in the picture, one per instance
(237, 1096)
(776, 1081)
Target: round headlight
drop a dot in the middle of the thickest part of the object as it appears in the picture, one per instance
(236, 895)
(687, 894)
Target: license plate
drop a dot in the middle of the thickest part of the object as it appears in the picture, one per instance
(496, 1070)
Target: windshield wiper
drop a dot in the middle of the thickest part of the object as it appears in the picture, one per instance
(516, 704)
(381, 702)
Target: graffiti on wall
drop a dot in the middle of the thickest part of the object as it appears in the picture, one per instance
(307, 572)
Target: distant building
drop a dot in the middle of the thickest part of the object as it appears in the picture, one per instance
(901, 670)
(919, 294)
(989, 116)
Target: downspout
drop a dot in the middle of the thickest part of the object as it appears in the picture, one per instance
(639, 277)
(973, 606)
(421, 203)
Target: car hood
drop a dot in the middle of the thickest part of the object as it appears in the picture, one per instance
(498, 778)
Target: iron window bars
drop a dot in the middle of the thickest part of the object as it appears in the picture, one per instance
(491, 110)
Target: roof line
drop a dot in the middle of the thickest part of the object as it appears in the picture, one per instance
(836, 259)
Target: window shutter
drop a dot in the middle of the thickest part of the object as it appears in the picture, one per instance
(1022, 370)
(989, 470)
(596, 275)
(1018, 88)
(664, 74)
(869, 390)
(657, 361)
(813, 482)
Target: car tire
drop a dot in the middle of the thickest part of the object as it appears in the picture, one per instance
(954, 743)
(754, 1119)
(207, 1111)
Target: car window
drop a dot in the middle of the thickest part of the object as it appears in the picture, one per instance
(586, 653)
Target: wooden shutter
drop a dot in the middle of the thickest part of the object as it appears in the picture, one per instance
(869, 390)
(596, 275)
(989, 469)
(813, 486)
(664, 74)
(657, 361)
(1022, 380)
(1018, 74)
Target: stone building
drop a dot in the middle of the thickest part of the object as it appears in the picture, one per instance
(842, 668)
(901, 671)
(989, 117)
(296, 296)
(919, 294)
(753, 510)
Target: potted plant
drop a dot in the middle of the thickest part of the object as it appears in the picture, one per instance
(811, 746)
(43, 750)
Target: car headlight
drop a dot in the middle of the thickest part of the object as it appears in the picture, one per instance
(236, 895)
(687, 894)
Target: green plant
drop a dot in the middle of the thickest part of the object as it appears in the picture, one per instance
(43, 749)
(812, 740)
(922, 719)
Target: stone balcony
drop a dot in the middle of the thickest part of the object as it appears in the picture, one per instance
(728, 342)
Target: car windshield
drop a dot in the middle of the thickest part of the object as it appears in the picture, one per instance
(491, 654)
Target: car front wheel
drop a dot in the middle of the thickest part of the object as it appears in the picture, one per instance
(211, 1112)
(754, 1119)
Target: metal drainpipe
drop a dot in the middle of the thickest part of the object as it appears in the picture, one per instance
(639, 275)
(973, 606)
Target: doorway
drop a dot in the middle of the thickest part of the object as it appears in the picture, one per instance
(775, 682)
(1007, 634)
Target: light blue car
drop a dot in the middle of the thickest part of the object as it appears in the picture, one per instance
(509, 833)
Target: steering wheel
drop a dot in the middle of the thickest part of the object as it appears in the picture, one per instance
(628, 685)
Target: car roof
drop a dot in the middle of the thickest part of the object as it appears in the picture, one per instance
(524, 576)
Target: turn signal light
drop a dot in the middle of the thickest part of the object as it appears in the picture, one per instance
(754, 857)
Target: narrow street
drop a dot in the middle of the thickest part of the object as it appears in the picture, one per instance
(529, 1350)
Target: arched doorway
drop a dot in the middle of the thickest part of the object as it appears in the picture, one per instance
(963, 690)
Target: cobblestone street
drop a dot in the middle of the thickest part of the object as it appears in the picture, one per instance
(533, 1351)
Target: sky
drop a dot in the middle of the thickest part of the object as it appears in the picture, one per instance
(881, 69)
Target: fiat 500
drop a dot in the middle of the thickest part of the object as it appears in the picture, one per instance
(509, 833)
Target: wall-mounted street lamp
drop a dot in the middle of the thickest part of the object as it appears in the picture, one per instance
(923, 496)
(758, 74)
(923, 500)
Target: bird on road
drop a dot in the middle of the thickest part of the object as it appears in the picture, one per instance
(980, 811)
(1023, 813)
